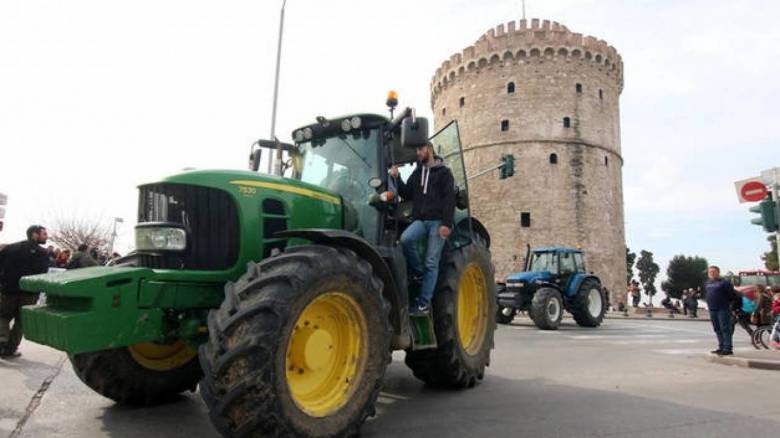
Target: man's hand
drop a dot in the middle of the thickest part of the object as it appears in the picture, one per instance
(444, 231)
(394, 171)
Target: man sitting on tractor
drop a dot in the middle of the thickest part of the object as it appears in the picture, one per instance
(431, 188)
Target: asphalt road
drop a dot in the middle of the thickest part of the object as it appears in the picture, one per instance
(628, 378)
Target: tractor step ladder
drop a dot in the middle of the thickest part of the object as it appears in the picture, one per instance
(423, 336)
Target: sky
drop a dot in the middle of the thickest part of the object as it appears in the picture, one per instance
(99, 96)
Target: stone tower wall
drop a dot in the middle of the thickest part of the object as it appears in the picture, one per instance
(579, 199)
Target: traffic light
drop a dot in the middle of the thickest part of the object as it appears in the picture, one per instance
(508, 166)
(768, 220)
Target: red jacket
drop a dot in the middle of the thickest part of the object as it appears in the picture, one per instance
(775, 307)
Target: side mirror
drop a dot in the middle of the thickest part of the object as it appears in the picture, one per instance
(461, 198)
(414, 132)
(254, 159)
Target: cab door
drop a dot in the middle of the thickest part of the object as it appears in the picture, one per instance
(446, 144)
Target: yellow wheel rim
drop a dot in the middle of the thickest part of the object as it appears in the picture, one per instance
(162, 357)
(472, 309)
(326, 354)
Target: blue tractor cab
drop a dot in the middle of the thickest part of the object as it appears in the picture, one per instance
(554, 280)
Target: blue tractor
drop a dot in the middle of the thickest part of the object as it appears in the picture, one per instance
(554, 280)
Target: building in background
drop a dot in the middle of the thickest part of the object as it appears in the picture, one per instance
(550, 97)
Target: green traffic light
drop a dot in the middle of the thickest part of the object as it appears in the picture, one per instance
(768, 211)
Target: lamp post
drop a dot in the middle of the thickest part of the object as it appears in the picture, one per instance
(275, 165)
(117, 220)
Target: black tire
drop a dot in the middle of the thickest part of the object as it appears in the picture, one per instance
(505, 315)
(245, 384)
(450, 364)
(581, 308)
(546, 308)
(115, 374)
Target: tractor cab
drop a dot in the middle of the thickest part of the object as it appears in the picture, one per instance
(554, 280)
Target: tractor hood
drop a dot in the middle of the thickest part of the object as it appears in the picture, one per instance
(528, 277)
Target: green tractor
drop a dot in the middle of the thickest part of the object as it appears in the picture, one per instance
(281, 297)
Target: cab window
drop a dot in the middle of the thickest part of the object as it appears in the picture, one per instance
(567, 263)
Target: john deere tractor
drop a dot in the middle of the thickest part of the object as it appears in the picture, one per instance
(554, 279)
(281, 297)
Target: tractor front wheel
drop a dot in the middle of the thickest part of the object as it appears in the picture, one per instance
(464, 319)
(589, 304)
(141, 375)
(299, 347)
(547, 308)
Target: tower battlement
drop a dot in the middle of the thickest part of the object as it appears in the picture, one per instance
(529, 41)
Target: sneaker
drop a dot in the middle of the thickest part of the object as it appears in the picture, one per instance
(9, 355)
(726, 353)
(718, 351)
(420, 310)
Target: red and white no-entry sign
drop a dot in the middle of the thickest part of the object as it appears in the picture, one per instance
(751, 190)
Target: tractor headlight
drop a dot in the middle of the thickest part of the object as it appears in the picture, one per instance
(355, 122)
(298, 136)
(160, 237)
(307, 133)
(345, 125)
(517, 284)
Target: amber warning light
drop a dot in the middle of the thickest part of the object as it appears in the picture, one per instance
(392, 99)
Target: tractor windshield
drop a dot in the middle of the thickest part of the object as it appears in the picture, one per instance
(544, 261)
(343, 164)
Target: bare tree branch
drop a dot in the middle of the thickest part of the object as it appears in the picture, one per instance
(69, 232)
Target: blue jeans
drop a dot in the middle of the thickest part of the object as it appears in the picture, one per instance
(723, 325)
(415, 232)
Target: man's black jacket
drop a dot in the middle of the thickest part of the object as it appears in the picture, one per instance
(432, 192)
(20, 259)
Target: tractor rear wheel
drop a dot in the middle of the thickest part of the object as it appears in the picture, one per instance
(141, 375)
(464, 319)
(299, 347)
(589, 304)
(547, 308)
(505, 315)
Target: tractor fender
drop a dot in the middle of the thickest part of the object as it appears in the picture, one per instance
(576, 282)
(477, 227)
(541, 284)
(364, 249)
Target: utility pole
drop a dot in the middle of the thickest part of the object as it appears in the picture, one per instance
(771, 178)
(275, 165)
(117, 220)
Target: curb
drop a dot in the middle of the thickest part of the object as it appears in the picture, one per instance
(654, 318)
(743, 362)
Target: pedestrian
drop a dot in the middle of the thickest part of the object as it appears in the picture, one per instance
(82, 258)
(63, 259)
(17, 260)
(636, 294)
(51, 253)
(721, 298)
(431, 188)
(608, 304)
(774, 338)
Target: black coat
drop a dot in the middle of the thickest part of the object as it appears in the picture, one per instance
(20, 259)
(432, 192)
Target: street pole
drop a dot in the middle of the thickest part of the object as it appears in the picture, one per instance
(113, 234)
(276, 164)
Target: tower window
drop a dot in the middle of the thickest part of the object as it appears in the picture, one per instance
(606, 161)
(510, 88)
(505, 125)
(579, 88)
(553, 158)
(566, 122)
(601, 94)
(525, 219)
(462, 101)
(444, 111)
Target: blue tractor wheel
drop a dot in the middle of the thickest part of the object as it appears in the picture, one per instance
(589, 305)
(547, 308)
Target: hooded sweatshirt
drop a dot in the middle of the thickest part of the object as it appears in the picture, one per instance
(432, 192)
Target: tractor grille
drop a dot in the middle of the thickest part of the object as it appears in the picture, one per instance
(208, 215)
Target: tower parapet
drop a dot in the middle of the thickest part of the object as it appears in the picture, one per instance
(537, 41)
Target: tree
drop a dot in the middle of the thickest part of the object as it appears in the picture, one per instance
(630, 258)
(684, 273)
(770, 258)
(648, 270)
(70, 232)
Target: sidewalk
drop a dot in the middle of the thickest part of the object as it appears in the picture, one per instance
(759, 359)
(24, 381)
(658, 314)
